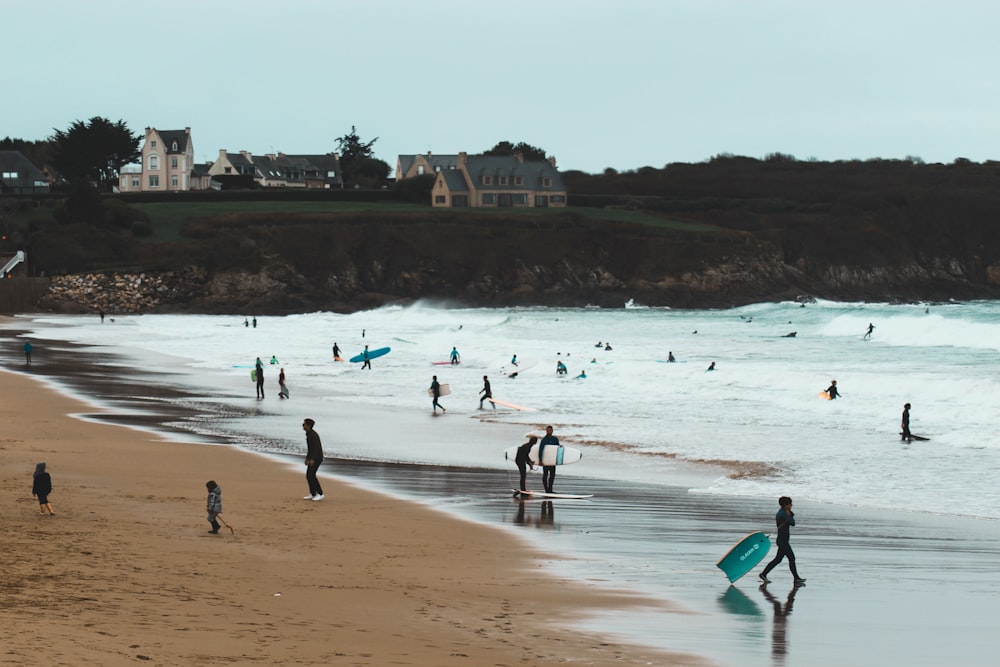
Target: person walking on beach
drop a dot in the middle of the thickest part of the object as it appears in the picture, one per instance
(282, 387)
(487, 393)
(548, 472)
(832, 390)
(42, 487)
(456, 358)
(259, 376)
(523, 460)
(314, 457)
(905, 425)
(214, 505)
(368, 362)
(436, 393)
(868, 334)
(27, 352)
(784, 519)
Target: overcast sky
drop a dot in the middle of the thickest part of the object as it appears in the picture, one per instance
(615, 83)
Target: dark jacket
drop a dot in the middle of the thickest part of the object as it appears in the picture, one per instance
(314, 448)
(784, 520)
(42, 484)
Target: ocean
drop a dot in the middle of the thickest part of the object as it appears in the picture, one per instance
(682, 461)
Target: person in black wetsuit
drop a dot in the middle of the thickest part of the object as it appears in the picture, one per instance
(548, 472)
(314, 457)
(260, 378)
(785, 519)
(436, 393)
(832, 390)
(905, 425)
(487, 393)
(523, 460)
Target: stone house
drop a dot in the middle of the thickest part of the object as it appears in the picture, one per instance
(167, 165)
(408, 166)
(499, 181)
(278, 170)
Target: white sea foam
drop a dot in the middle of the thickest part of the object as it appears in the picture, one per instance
(759, 406)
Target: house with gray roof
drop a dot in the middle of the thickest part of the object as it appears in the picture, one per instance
(167, 164)
(408, 166)
(278, 170)
(19, 177)
(499, 181)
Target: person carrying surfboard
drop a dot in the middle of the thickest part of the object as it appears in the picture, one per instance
(784, 519)
(905, 425)
(832, 390)
(548, 472)
(487, 393)
(456, 358)
(368, 361)
(336, 351)
(436, 393)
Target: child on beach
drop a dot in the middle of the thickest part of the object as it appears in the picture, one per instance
(784, 519)
(42, 487)
(214, 505)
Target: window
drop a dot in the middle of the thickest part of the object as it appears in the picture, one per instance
(557, 199)
(503, 180)
(489, 198)
(519, 180)
(521, 198)
(10, 174)
(173, 163)
(420, 170)
(546, 182)
(154, 181)
(152, 144)
(135, 181)
(487, 180)
(229, 170)
(173, 182)
(173, 146)
(331, 174)
(154, 162)
(440, 199)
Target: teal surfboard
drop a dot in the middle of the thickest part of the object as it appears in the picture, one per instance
(744, 555)
(372, 354)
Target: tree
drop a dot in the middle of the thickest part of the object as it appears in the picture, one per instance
(529, 152)
(95, 151)
(358, 161)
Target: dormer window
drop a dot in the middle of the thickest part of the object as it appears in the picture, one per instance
(546, 182)
(487, 180)
(173, 146)
(420, 170)
(519, 180)
(152, 144)
(503, 180)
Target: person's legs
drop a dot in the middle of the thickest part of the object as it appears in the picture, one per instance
(774, 563)
(523, 469)
(791, 564)
(314, 486)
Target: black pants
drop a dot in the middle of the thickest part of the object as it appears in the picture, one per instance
(548, 477)
(522, 468)
(783, 550)
(314, 488)
(260, 388)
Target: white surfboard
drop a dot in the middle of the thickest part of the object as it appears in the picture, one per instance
(513, 406)
(510, 370)
(554, 456)
(445, 390)
(546, 494)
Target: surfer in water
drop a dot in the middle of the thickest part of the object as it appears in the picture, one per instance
(336, 351)
(784, 519)
(868, 334)
(259, 366)
(670, 357)
(548, 472)
(487, 393)
(711, 367)
(905, 425)
(523, 460)
(456, 358)
(282, 389)
(832, 390)
(436, 392)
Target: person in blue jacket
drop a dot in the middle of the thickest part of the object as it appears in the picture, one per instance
(548, 472)
(784, 519)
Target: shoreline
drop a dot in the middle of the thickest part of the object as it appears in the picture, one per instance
(126, 569)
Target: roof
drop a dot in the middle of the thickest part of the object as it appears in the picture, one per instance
(455, 180)
(171, 136)
(532, 173)
(17, 174)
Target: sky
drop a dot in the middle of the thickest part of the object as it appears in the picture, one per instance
(617, 83)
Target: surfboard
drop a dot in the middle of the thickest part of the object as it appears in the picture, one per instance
(510, 370)
(744, 555)
(445, 363)
(545, 494)
(338, 358)
(917, 437)
(497, 401)
(253, 375)
(284, 391)
(825, 396)
(554, 456)
(445, 390)
(372, 354)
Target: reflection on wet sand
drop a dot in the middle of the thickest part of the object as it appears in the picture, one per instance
(779, 633)
(525, 515)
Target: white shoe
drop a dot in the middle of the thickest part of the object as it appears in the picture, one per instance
(308, 497)
(319, 497)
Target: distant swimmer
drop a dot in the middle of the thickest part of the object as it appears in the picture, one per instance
(711, 367)
(790, 335)
(456, 358)
(599, 344)
(607, 347)
(832, 390)
(274, 360)
(513, 360)
(868, 334)
(905, 425)
(670, 357)
(560, 368)
(581, 376)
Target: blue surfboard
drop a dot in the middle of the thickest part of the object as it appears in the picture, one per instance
(372, 354)
(744, 555)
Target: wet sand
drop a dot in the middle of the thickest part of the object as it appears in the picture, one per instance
(883, 588)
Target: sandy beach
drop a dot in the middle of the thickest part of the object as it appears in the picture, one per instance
(126, 570)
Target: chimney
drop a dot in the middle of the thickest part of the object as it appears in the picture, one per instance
(552, 160)
(222, 153)
(463, 158)
(519, 156)
(187, 130)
